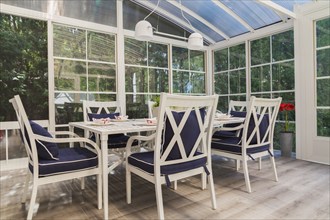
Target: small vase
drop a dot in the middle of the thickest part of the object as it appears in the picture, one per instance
(155, 112)
(286, 142)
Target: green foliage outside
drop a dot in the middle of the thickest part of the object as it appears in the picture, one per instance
(23, 66)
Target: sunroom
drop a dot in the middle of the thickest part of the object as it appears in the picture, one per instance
(56, 54)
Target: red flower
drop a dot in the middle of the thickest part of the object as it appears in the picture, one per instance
(286, 107)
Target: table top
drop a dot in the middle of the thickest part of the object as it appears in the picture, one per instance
(137, 125)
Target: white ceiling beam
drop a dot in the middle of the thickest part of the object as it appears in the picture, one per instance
(168, 15)
(201, 19)
(278, 8)
(233, 14)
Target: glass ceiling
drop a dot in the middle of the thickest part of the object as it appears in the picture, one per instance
(216, 20)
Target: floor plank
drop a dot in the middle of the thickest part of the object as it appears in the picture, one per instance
(301, 193)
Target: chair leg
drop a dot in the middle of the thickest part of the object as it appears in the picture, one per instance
(238, 165)
(159, 199)
(175, 187)
(246, 176)
(272, 159)
(260, 159)
(82, 182)
(203, 177)
(99, 190)
(32, 201)
(26, 187)
(128, 185)
(212, 191)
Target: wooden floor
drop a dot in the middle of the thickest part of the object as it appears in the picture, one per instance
(301, 193)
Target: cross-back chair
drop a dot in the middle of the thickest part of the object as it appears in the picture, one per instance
(48, 163)
(256, 138)
(182, 145)
(116, 142)
(236, 108)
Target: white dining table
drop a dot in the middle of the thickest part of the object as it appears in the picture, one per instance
(128, 126)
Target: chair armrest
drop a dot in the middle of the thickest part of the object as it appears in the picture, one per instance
(139, 138)
(71, 140)
(69, 133)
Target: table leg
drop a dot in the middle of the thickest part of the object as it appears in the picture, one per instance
(104, 150)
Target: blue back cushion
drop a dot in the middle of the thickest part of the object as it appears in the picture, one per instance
(262, 127)
(189, 133)
(102, 115)
(46, 150)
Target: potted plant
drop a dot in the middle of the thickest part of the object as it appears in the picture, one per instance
(286, 136)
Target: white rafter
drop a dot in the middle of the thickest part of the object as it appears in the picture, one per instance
(168, 15)
(201, 19)
(233, 14)
(278, 8)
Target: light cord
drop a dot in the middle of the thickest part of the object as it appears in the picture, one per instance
(152, 10)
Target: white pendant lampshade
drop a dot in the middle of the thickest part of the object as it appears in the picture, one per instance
(143, 31)
(195, 41)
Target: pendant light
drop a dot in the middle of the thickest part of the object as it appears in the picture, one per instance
(195, 40)
(143, 29)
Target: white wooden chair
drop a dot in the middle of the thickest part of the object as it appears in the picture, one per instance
(116, 142)
(256, 138)
(50, 164)
(182, 145)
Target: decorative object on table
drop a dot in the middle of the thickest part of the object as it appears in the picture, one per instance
(155, 107)
(286, 136)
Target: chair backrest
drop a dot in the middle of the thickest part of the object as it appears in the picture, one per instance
(237, 106)
(260, 121)
(26, 132)
(99, 107)
(184, 135)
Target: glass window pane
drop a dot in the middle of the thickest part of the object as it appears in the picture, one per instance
(263, 95)
(283, 76)
(323, 122)
(323, 62)
(260, 51)
(157, 55)
(260, 79)
(101, 97)
(197, 83)
(221, 60)
(16, 147)
(101, 47)
(181, 82)
(135, 52)
(158, 80)
(237, 56)
(238, 97)
(197, 60)
(221, 83)
(69, 42)
(136, 106)
(323, 91)
(223, 104)
(101, 77)
(323, 32)
(136, 79)
(68, 107)
(70, 75)
(180, 58)
(237, 81)
(283, 46)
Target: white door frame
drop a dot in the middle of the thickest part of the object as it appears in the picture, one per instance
(308, 145)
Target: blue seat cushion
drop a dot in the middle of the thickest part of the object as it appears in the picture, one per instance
(233, 145)
(189, 133)
(145, 162)
(224, 134)
(102, 115)
(70, 160)
(117, 140)
(46, 150)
